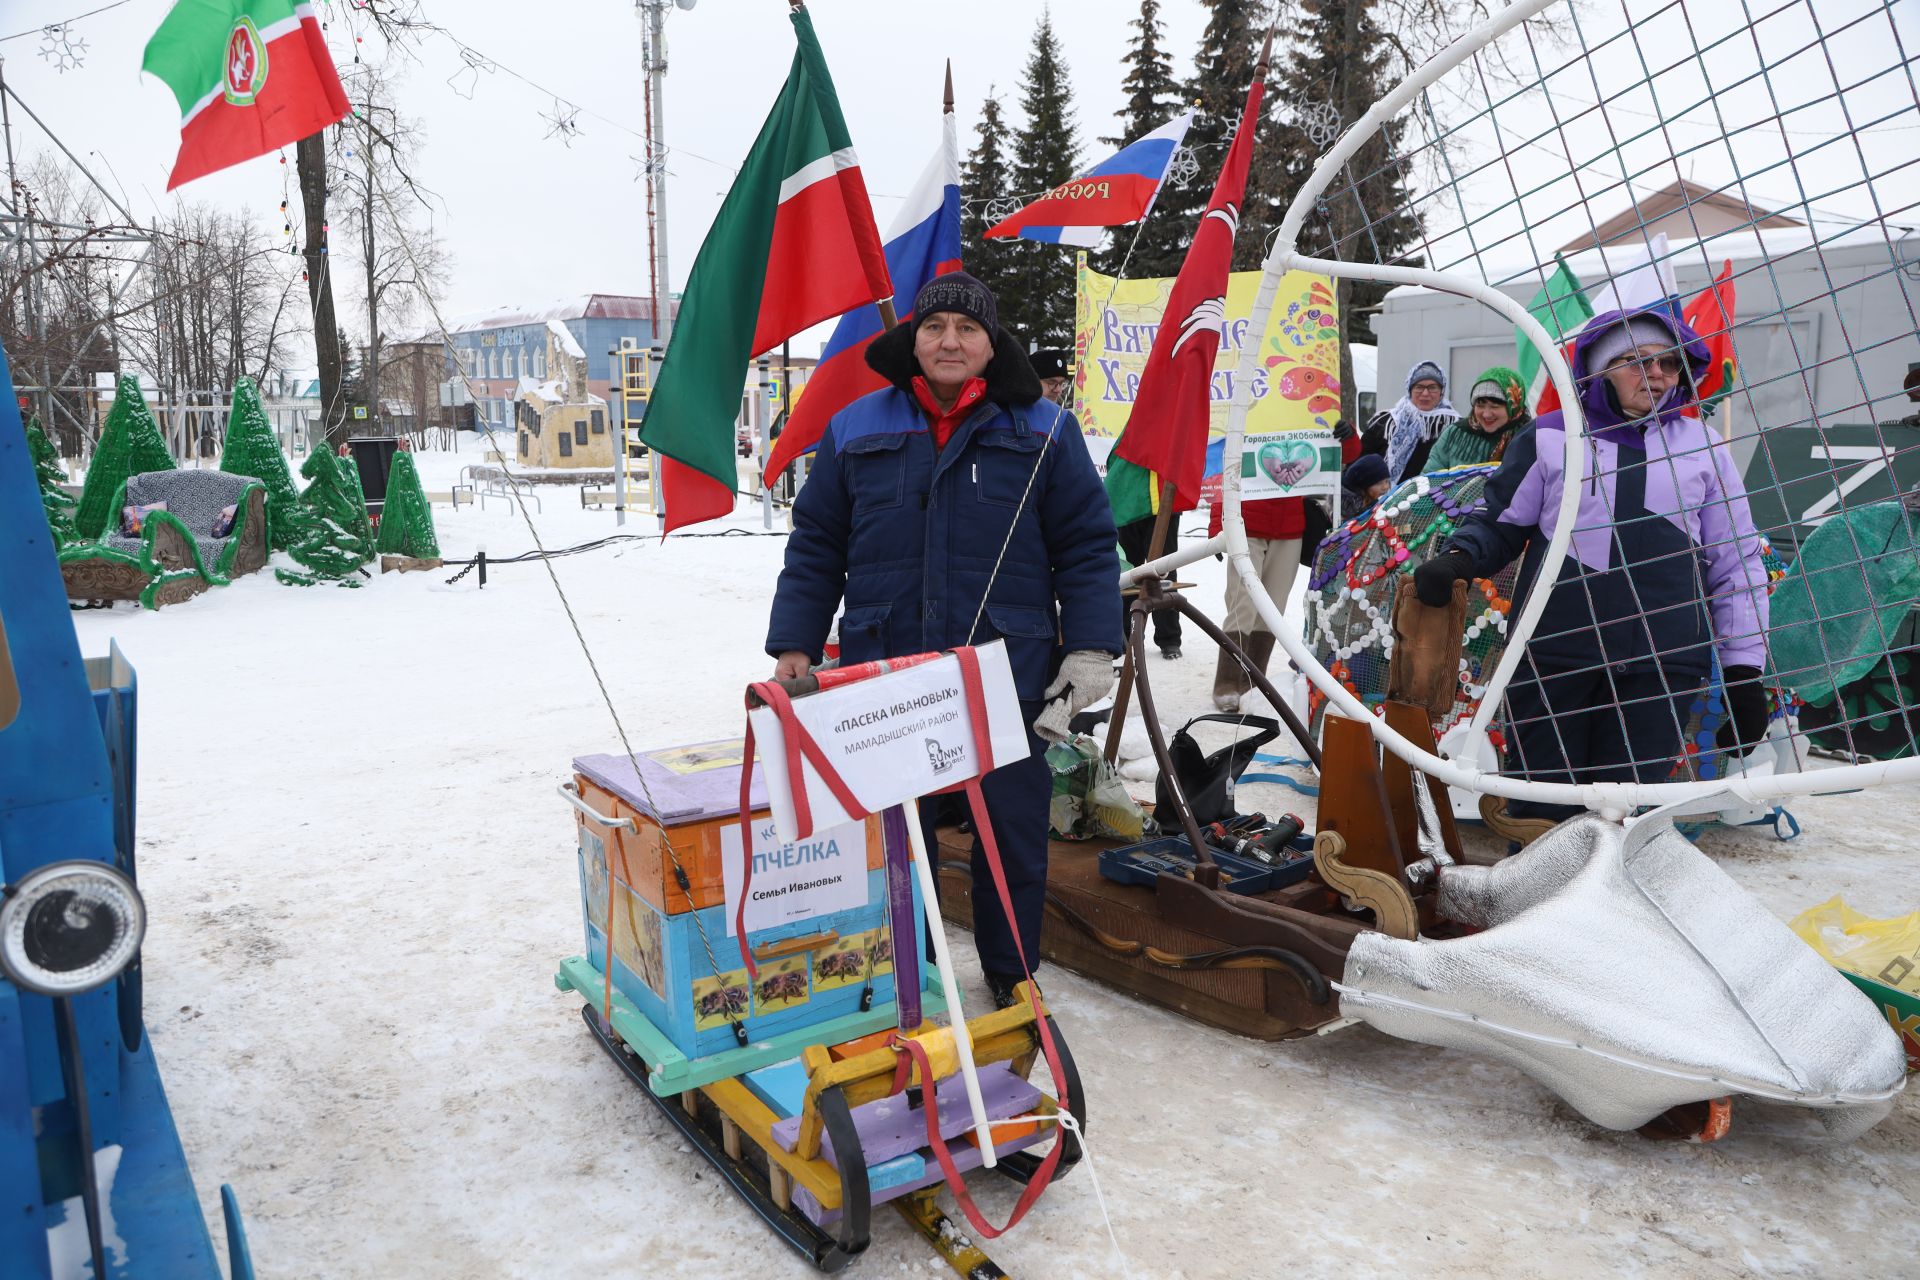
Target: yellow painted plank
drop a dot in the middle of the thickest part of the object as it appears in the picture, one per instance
(756, 1121)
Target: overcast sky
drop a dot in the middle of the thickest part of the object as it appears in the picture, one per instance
(530, 217)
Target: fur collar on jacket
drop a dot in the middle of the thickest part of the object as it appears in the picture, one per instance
(1011, 380)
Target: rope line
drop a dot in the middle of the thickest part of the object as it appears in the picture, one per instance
(573, 622)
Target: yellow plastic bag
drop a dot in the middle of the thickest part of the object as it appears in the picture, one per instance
(1887, 951)
(1881, 957)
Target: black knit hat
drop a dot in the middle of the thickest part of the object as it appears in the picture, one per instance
(957, 291)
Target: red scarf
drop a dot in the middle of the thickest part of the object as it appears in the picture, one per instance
(943, 422)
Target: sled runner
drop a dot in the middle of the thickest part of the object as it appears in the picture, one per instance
(810, 1075)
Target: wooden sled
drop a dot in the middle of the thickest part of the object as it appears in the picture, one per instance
(1260, 965)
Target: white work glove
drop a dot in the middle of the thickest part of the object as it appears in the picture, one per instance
(1086, 676)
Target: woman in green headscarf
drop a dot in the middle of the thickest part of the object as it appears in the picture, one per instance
(1498, 408)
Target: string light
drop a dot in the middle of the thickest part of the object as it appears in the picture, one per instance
(474, 65)
(62, 48)
(1320, 121)
(1183, 166)
(565, 121)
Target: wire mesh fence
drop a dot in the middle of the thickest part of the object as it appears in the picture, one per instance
(1697, 559)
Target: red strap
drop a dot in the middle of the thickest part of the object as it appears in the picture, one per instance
(990, 846)
(955, 1179)
(799, 743)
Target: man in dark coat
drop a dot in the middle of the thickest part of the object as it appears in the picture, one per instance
(957, 507)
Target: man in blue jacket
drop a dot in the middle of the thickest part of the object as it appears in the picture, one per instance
(956, 507)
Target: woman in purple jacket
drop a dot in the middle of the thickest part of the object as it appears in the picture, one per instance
(1662, 571)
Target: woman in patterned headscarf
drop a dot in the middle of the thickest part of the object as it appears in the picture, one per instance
(1404, 435)
(1498, 409)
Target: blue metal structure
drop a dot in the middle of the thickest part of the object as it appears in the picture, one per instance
(80, 1093)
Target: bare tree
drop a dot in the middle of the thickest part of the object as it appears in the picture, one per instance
(211, 306)
(61, 265)
(386, 214)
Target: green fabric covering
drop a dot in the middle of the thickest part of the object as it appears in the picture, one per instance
(1836, 613)
(57, 502)
(340, 537)
(130, 444)
(406, 522)
(253, 449)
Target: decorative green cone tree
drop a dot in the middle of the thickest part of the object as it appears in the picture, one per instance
(130, 444)
(338, 537)
(253, 449)
(406, 522)
(59, 504)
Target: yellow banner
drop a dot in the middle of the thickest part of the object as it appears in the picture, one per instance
(1296, 385)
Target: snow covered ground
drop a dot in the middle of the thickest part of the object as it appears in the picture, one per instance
(361, 880)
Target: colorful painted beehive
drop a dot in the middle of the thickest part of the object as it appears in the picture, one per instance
(674, 955)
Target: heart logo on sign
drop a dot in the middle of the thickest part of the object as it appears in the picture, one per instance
(1288, 463)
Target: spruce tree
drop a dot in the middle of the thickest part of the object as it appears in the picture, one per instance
(986, 182)
(58, 503)
(339, 538)
(1045, 154)
(1222, 72)
(406, 521)
(253, 449)
(1341, 57)
(1153, 98)
(130, 444)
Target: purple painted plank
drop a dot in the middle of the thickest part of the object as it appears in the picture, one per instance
(889, 1127)
(681, 797)
(966, 1158)
(900, 919)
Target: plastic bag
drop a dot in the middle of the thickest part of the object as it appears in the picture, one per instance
(1887, 951)
(1089, 799)
(1881, 957)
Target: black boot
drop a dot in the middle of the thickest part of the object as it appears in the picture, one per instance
(1001, 987)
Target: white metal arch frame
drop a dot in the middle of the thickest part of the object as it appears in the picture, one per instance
(1611, 799)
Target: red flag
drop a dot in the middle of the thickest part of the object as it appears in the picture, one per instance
(1711, 316)
(1167, 430)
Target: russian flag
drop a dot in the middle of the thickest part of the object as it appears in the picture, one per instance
(922, 242)
(1119, 190)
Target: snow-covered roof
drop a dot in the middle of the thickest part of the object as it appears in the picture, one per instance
(563, 336)
(581, 306)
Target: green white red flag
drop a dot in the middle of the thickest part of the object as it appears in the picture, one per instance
(251, 76)
(800, 202)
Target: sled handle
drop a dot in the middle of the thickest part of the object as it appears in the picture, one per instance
(794, 946)
(571, 794)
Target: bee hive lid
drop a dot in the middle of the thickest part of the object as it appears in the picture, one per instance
(688, 784)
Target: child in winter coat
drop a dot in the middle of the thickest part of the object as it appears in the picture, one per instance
(1362, 484)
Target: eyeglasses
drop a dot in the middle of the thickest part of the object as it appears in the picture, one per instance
(1668, 364)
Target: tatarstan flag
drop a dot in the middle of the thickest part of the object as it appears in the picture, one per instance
(800, 204)
(250, 76)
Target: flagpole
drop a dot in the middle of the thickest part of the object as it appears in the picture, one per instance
(1163, 520)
